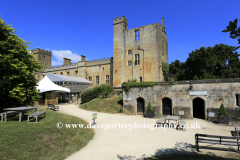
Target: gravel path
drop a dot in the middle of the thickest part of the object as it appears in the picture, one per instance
(136, 143)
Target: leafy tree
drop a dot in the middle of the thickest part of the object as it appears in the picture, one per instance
(165, 70)
(177, 70)
(220, 61)
(234, 31)
(17, 81)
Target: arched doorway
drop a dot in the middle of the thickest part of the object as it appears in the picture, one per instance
(140, 105)
(198, 108)
(166, 106)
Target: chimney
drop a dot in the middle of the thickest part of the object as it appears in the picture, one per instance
(66, 61)
(83, 58)
(162, 21)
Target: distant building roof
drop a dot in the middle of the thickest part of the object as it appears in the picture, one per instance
(61, 78)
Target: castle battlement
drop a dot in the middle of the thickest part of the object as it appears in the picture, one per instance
(101, 61)
(119, 20)
(38, 50)
(62, 67)
(73, 65)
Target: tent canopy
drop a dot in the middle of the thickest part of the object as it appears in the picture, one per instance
(47, 85)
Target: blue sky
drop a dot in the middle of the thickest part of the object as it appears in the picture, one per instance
(77, 27)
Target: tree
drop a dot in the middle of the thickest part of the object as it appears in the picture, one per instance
(165, 70)
(234, 31)
(222, 110)
(17, 81)
(220, 61)
(177, 70)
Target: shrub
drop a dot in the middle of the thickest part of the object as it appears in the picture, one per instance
(106, 90)
(91, 94)
(150, 108)
(195, 78)
(222, 110)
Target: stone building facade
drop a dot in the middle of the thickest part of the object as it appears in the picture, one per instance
(137, 54)
(195, 97)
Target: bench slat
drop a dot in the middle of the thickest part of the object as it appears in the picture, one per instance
(214, 136)
(36, 114)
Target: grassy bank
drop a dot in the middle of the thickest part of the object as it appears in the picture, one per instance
(108, 105)
(42, 140)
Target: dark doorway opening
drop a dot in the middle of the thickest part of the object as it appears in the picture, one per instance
(237, 102)
(198, 108)
(167, 106)
(140, 105)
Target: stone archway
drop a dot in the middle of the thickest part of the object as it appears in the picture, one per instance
(166, 106)
(140, 106)
(198, 108)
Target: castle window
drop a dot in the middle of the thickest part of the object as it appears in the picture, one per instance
(90, 78)
(103, 69)
(137, 61)
(68, 73)
(61, 73)
(140, 78)
(41, 64)
(107, 79)
(137, 35)
(129, 51)
(76, 72)
(129, 63)
(97, 79)
(44, 57)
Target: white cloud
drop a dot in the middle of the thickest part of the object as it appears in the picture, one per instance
(66, 54)
(55, 63)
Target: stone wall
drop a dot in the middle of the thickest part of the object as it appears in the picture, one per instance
(151, 48)
(218, 91)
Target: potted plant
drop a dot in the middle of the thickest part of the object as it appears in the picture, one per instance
(223, 118)
(150, 112)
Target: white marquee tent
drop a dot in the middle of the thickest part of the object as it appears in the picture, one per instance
(47, 85)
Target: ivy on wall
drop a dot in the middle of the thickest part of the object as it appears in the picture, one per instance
(127, 86)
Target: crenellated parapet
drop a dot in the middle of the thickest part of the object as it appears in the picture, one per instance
(120, 20)
(68, 66)
(38, 50)
(100, 62)
(79, 64)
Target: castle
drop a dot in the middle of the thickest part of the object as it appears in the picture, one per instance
(138, 53)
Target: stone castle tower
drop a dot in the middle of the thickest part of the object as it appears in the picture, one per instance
(44, 57)
(139, 52)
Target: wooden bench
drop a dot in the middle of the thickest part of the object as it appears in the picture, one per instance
(181, 124)
(160, 121)
(216, 140)
(36, 115)
(53, 107)
(8, 112)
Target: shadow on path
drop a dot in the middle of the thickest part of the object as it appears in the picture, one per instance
(181, 151)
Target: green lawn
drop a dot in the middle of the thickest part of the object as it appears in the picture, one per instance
(108, 105)
(42, 140)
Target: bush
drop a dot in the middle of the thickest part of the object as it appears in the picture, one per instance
(195, 78)
(91, 94)
(106, 90)
(222, 110)
(150, 108)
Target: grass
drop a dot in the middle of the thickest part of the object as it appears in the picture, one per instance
(188, 157)
(108, 105)
(42, 140)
